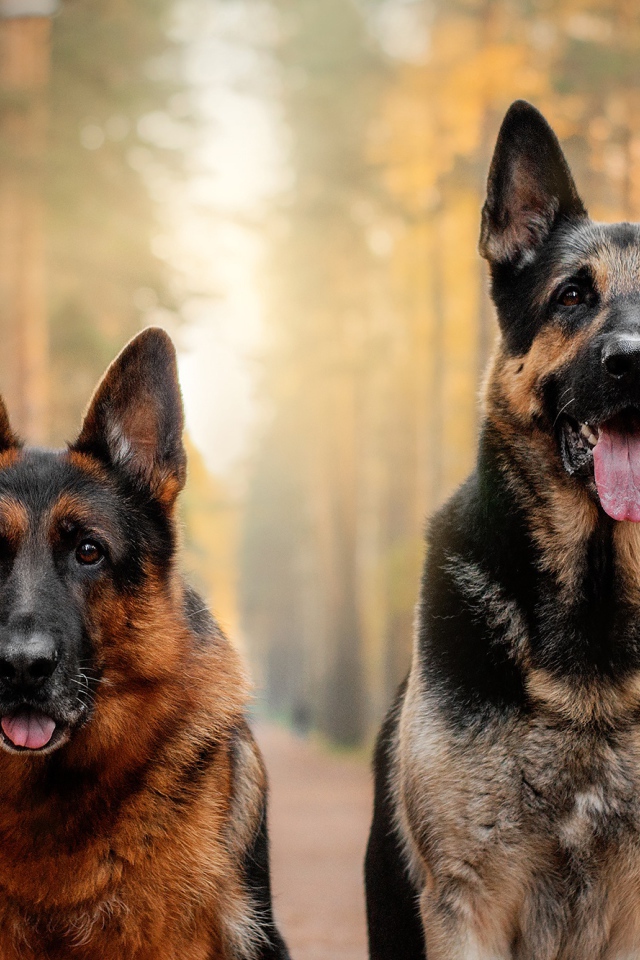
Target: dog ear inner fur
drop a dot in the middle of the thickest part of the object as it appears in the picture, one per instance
(530, 188)
(135, 418)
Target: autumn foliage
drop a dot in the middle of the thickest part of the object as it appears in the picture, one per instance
(380, 317)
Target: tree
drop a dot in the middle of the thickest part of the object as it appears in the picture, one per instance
(112, 66)
(379, 316)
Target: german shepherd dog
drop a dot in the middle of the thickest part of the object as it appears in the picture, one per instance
(132, 795)
(507, 807)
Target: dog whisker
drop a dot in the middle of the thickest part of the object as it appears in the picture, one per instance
(562, 410)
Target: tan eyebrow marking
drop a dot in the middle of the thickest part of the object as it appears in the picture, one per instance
(74, 509)
(8, 458)
(88, 465)
(14, 519)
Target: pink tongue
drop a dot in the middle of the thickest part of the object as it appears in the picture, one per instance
(29, 729)
(616, 458)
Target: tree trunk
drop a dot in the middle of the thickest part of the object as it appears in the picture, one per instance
(24, 70)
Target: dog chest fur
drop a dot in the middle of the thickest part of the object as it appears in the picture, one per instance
(525, 826)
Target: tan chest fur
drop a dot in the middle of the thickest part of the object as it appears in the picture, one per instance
(530, 828)
(159, 883)
(110, 900)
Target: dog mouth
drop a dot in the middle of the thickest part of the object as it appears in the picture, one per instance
(608, 455)
(31, 731)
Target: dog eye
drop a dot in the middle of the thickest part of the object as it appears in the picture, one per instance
(571, 296)
(89, 552)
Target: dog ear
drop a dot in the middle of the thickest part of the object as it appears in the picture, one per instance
(135, 420)
(530, 188)
(8, 439)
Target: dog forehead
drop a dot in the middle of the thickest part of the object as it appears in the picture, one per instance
(616, 261)
(611, 253)
(41, 480)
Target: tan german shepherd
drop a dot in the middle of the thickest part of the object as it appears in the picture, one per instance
(507, 812)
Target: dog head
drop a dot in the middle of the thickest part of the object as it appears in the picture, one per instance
(86, 541)
(567, 293)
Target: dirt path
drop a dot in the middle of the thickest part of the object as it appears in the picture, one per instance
(319, 818)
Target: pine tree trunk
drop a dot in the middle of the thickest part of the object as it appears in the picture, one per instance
(24, 69)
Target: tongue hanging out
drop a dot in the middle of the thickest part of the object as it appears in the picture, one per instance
(29, 729)
(616, 458)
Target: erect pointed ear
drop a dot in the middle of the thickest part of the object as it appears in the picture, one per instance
(134, 422)
(530, 188)
(8, 439)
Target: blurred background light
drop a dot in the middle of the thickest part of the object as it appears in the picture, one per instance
(292, 189)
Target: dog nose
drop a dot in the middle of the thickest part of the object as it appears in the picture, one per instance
(27, 662)
(621, 356)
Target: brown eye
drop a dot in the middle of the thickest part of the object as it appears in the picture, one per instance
(89, 552)
(571, 296)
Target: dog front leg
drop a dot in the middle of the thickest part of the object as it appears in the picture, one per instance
(455, 930)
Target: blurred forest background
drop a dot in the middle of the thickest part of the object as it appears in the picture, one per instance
(293, 189)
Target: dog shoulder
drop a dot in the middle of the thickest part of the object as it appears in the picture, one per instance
(471, 625)
(248, 846)
(392, 895)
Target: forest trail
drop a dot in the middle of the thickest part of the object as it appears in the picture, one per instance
(319, 815)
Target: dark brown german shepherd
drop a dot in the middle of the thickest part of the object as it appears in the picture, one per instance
(507, 810)
(132, 795)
